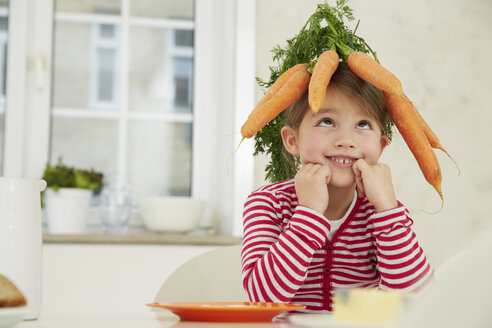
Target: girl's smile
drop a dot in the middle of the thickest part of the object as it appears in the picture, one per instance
(342, 161)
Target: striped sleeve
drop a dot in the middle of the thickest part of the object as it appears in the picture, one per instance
(275, 259)
(402, 263)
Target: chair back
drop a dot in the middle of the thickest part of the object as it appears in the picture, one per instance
(214, 276)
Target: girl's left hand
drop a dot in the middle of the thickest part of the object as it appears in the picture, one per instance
(375, 182)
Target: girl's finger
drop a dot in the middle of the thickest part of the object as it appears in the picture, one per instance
(358, 179)
(361, 165)
(356, 169)
(306, 168)
(325, 172)
(312, 168)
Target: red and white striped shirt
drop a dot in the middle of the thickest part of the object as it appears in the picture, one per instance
(286, 255)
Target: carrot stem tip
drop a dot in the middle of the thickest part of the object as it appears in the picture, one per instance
(450, 157)
(439, 210)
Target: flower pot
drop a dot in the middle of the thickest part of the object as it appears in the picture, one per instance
(67, 210)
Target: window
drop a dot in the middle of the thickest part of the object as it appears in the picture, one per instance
(145, 132)
(117, 86)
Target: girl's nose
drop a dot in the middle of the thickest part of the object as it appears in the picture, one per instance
(344, 139)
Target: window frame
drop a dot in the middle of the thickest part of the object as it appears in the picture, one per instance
(3, 57)
(223, 94)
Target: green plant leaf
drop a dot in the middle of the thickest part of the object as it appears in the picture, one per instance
(63, 176)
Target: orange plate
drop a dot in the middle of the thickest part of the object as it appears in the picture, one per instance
(227, 311)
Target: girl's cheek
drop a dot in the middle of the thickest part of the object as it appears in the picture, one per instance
(375, 154)
(371, 150)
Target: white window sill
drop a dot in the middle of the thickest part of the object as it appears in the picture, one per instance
(137, 235)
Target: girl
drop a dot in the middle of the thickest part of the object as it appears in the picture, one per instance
(338, 223)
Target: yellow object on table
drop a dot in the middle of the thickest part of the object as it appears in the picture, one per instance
(361, 305)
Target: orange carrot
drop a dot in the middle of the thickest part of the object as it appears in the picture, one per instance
(292, 90)
(280, 82)
(430, 135)
(404, 119)
(371, 71)
(323, 70)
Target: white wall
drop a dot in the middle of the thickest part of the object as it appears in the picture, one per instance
(440, 50)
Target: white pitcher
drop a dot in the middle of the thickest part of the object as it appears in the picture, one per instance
(21, 237)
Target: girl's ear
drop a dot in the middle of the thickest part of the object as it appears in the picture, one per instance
(384, 142)
(289, 138)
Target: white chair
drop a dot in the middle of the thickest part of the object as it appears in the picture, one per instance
(214, 276)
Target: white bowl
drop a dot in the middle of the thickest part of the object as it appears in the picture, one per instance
(171, 214)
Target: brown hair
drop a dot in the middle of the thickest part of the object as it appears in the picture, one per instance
(368, 97)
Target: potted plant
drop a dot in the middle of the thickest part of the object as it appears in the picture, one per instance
(67, 197)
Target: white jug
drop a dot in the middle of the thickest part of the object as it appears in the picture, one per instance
(21, 238)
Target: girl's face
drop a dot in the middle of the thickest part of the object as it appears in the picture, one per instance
(338, 135)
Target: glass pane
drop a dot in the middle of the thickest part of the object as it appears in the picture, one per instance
(85, 143)
(106, 74)
(159, 158)
(161, 74)
(184, 38)
(3, 72)
(72, 62)
(86, 65)
(107, 31)
(182, 9)
(109, 7)
(182, 83)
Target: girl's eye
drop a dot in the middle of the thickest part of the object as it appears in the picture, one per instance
(325, 122)
(364, 125)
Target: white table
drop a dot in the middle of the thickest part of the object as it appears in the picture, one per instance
(137, 321)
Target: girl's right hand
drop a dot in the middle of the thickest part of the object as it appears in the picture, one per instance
(311, 183)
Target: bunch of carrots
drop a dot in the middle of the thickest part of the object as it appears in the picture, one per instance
(314, 78)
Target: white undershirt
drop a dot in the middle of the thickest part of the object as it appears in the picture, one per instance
(335, 224)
